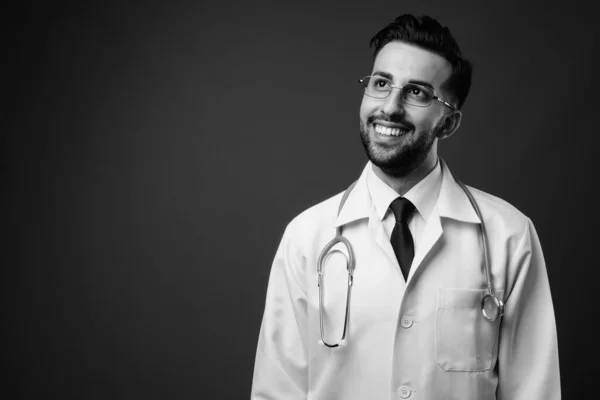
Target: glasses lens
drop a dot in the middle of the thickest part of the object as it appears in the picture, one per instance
(417, 95)
(376, 86)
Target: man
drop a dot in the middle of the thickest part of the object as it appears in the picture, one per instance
(415, 327)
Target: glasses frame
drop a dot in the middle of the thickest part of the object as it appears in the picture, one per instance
(362, 82)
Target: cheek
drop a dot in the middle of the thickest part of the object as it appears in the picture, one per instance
(424, 121)
(367, 108)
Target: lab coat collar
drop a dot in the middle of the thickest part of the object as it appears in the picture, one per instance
(452, 201)
(358, 204)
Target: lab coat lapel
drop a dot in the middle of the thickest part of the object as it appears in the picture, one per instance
(452, 203)
(359, 205)
(383, 241)
(431, 234)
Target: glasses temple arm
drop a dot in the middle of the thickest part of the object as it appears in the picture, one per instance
(444, 102)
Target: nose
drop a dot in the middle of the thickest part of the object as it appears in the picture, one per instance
(393, 104)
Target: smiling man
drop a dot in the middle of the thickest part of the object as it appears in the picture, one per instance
(436, 291)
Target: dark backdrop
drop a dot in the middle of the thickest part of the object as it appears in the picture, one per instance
(153, 154)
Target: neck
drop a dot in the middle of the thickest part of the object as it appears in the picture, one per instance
(402, 185)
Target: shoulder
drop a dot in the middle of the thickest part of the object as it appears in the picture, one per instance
(510, 233)
(307, 231)
(318, 223)
(500, 213)
(316, 217)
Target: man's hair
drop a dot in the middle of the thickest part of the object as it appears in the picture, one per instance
(427, 33)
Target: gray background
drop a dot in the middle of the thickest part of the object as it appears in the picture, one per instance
(153, 154)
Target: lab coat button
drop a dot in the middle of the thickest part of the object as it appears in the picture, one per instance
(406, 322)
(404, 392)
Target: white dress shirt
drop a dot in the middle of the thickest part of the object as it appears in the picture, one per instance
(423, 196)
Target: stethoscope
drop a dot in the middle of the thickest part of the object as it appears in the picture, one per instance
(491, 306)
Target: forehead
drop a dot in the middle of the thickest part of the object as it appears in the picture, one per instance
(406, 62)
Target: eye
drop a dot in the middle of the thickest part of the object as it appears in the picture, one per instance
(417, 93)
(380, 83)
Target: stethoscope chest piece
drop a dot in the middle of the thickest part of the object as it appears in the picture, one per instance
(491, 307)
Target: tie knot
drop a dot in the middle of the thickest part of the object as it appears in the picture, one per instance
(402, 208)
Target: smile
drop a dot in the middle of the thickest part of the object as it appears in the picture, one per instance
(387, 131)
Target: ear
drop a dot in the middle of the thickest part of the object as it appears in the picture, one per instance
(449, 124)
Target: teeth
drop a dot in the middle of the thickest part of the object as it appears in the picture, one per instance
(388, 131)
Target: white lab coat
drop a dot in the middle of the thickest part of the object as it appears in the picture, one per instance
(420, 339)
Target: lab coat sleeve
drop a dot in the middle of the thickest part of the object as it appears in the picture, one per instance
(528, 350)
(280, 370)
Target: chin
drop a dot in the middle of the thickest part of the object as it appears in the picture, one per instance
(397, 167)
(397, 162)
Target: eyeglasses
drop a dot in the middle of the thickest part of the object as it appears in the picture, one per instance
(411, 93)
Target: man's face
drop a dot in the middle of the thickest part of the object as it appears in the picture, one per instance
(412, 138)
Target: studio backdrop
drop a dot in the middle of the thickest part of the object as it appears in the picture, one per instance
(152, 155)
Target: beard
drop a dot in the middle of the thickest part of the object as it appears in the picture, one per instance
(401, 160)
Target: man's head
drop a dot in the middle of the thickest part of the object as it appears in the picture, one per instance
(400, 131)
(427, 33)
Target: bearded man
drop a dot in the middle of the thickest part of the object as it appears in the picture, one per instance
(436, 291)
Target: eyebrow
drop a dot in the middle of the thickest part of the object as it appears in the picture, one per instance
(422, 83)
(389, 77)
(386, 75)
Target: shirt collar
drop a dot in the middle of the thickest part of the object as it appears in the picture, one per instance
(423, 195)
(451, 202)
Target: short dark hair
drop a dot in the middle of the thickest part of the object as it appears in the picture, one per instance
(429, 34)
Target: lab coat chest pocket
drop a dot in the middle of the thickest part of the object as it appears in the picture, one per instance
(465, 341)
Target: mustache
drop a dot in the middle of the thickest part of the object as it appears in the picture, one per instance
(394, 119)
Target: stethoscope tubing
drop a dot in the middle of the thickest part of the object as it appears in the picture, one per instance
(497, 306)
(339, 238)
(492, 307)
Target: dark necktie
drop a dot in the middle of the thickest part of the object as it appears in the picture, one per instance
(402, 241)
